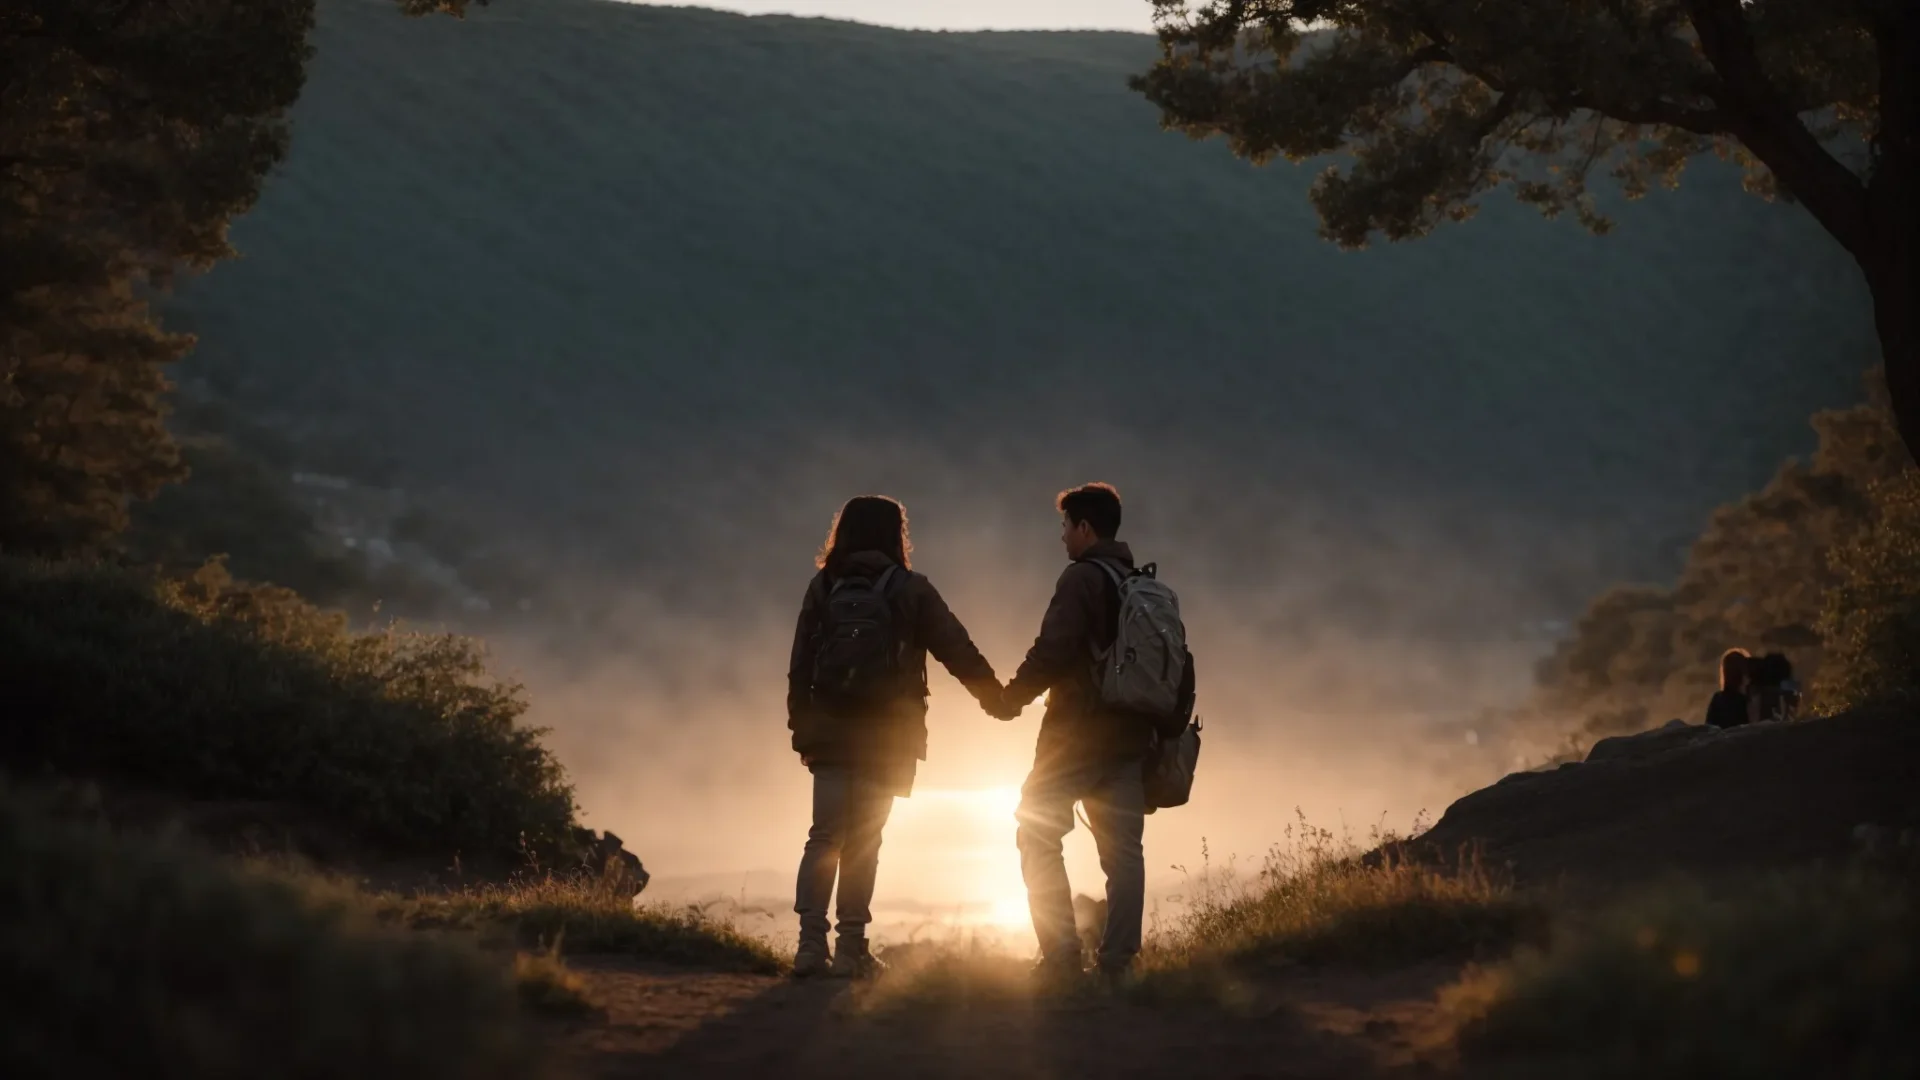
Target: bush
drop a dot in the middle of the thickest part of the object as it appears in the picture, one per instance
(212, 689)
(1320, 901)
(1758, 576)
(1808, 975)
(591, 915)
(1872, 618)
(145, 959)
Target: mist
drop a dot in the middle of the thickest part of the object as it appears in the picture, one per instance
(1340, 641)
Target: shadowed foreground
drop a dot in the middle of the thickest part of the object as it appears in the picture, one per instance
(1788, 945)
(661, 1022)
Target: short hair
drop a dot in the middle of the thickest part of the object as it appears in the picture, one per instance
(1771, 670)
(1098, 505)
(1735, 668)
(867, 523)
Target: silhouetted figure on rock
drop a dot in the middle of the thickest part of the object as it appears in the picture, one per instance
(1729, 705)
(857, 707)
(1772, 694)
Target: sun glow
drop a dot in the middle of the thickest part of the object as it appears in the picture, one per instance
(956, 845)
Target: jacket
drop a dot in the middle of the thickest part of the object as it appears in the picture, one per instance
(1080, 622)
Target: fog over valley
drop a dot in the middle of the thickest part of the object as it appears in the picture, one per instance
(629, 299)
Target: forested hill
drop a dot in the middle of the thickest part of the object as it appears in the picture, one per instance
(637, 278)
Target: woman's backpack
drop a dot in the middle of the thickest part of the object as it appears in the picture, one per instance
(856, 663)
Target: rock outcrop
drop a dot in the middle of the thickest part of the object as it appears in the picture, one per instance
(1686, 798)
(605, 854)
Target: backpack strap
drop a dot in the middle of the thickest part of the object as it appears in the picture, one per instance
(1114, 570)
(1117, 573)
(879, 584)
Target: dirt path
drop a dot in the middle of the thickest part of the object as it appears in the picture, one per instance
(665, 1023)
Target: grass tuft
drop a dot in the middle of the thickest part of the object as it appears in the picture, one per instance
(1810, 974)
(1320, 900)
(547, 985)
(592, 916)
(949, 975)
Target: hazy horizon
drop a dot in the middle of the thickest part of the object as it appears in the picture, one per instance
(1133, 16)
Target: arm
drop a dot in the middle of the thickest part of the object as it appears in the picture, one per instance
(1061, 648)
(800, 663)
(948, 642)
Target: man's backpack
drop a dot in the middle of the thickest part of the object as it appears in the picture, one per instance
(1168, 774)
(1148, 673)
(1141, 673)
(857, 660)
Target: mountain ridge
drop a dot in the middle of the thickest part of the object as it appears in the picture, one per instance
(561, 257)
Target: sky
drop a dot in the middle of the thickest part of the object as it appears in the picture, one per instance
(1133, 15)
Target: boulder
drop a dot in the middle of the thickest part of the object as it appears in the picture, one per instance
(1689, 799)
(604, 854)
(1645, 744)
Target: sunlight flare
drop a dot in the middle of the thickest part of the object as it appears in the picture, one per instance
(972, 869)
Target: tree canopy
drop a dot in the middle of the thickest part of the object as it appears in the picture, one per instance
(131, 133)
(1437, 102)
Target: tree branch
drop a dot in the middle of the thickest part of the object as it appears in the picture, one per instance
(1760, 117)
(1696, 121)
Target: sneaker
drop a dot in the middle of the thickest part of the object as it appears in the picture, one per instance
(853, 961)
(810, 960)
(1061, 972)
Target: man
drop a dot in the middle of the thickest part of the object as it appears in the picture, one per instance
(1084, 754)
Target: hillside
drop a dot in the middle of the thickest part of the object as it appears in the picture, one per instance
(565, 251)
(630, 298)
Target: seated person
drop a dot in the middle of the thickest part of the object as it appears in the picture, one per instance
(1772, 695)
(1729, 707)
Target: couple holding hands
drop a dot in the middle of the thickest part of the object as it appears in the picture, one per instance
(1110, 656)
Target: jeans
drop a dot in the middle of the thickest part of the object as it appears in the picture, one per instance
(1116, 811)
(850, 808)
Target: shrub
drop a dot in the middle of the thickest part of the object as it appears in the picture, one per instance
(1872, 619)
(147, 959)
(1806, 975)
(213, 689)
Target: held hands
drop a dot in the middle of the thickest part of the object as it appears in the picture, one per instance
(1001, 707)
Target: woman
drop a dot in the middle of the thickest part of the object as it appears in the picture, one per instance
(1729, 706)
(857, 706)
